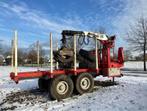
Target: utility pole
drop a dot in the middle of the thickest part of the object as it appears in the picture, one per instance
(57, 62)
(38, 54)
(12, 53)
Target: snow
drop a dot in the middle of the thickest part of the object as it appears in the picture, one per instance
(133, 65)
(129, 93)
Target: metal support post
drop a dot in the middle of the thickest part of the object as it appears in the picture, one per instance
(96, 54)
(51, 54)
(75, 55)
(15, 48)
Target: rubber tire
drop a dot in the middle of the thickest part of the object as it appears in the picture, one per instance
(79, 89)
(43, 84)
(53, 84)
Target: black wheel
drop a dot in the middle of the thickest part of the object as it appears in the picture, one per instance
(84, 83)
(61, 87)
(43, 84)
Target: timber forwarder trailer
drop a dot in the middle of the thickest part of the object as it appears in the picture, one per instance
(61, 82)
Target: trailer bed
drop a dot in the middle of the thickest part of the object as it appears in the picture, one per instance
(39, 73)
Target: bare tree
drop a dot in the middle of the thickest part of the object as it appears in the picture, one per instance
(1, 49)
(127, 55)
(137, 37)
(32, 54)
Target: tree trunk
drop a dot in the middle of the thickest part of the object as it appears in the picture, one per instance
(144, 48)
(145, 43)
(144, 55)
(144, 60)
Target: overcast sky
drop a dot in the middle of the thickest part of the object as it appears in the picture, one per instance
(34, 19)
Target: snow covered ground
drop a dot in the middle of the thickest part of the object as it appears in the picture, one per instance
(133, 65)
(129, 93)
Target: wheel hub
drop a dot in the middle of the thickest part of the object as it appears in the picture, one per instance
(85, 83)
(62, 87)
